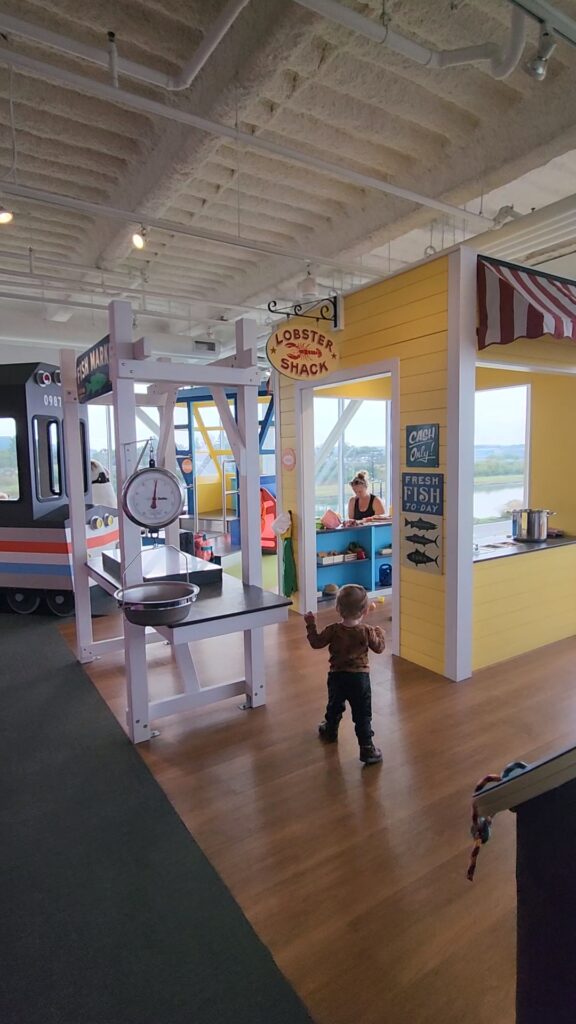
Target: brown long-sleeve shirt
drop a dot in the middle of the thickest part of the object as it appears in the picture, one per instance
(348, 645)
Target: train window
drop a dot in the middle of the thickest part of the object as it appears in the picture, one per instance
(47, 458)
(9, 479)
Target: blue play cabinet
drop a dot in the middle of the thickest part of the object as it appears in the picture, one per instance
(373, 538)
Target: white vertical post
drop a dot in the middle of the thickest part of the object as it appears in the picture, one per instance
(75, 471)
(394, 443)
(459, 512)
(167, 453)
(249, 468)
(307, 582)
(120, 329)
(249, 482)
(136, 682)
(276, 391)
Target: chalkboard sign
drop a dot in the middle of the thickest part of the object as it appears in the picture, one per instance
(423, 493)
(423, 445)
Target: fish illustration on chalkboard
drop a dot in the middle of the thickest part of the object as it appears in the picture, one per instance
(415, 538)
(418, 557)
(420, 524)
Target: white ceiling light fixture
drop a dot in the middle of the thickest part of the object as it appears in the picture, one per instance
(139, 238)
(308, 286)
(6, 216)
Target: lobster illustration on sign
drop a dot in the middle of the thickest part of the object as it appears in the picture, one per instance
(299, 350)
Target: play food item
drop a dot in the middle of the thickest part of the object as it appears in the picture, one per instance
(331, 520)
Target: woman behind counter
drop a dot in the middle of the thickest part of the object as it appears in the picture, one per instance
(364, 506)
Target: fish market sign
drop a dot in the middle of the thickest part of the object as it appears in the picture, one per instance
(423, 445)
(423, 493)
(302, 353)
(93, 372)
(421, 525)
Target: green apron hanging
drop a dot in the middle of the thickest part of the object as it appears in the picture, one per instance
(289, 579)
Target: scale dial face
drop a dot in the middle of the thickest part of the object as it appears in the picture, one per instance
(153, 498)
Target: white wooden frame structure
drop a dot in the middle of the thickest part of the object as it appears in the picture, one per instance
(129, 365)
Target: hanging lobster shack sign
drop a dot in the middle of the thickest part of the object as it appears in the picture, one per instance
(302, 353)
(93, 371)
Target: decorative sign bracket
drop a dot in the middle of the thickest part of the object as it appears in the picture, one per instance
(325, 310)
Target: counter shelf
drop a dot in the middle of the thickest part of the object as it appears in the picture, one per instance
(373, 537)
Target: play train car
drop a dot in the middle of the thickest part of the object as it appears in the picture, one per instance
(35, 535)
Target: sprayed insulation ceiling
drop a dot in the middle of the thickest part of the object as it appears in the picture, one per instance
(287, 76)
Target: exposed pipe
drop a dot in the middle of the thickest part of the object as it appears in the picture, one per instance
(173, 227)
(56, 284)
(25, 30)
(502, 63)
(256, 142)
(90, 306)
(211, 40)
(376, 274)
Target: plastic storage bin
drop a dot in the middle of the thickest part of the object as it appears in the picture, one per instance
(385, 576)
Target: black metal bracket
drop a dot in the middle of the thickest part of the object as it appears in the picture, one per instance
(325, 310)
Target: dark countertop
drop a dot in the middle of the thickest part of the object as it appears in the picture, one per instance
(229, 598)
(363, 526)
(503, 549)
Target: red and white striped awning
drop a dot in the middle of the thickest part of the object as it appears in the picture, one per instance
(514, 302)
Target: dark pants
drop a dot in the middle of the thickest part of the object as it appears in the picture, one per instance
(353, 687)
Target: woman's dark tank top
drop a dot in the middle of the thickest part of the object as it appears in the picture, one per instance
(367, 512)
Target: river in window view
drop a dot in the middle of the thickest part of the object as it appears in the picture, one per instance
(497, 501)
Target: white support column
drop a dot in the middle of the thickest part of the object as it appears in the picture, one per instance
(249, 477)
(275, 378)
(307, 584)
(459, 524)
(166, 453)
(136, 682)
(75, 487)
(120, 329)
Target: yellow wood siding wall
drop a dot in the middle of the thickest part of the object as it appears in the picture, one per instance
(405, 318)
(523, 602)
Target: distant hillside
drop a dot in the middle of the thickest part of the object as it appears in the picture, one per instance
(6, 443)
(498, 451)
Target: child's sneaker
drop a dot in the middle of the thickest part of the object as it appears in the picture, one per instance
(370, 755)
(326, 733)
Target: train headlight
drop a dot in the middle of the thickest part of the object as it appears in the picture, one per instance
(96, 523)
(109, 520)
(43, 378)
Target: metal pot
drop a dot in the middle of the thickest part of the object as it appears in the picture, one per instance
(530, 524)
(157, 603)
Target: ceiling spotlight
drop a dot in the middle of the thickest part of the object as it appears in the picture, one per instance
(6, 216)
(139, 238)
(537, 67)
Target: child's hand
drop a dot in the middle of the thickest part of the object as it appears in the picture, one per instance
(309, 617)
(371, 607)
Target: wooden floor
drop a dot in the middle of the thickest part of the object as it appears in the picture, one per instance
(355, 878)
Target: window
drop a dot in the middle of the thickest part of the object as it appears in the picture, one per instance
(9, 480)
(47, 458)
(350, 435)
(500, 459)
